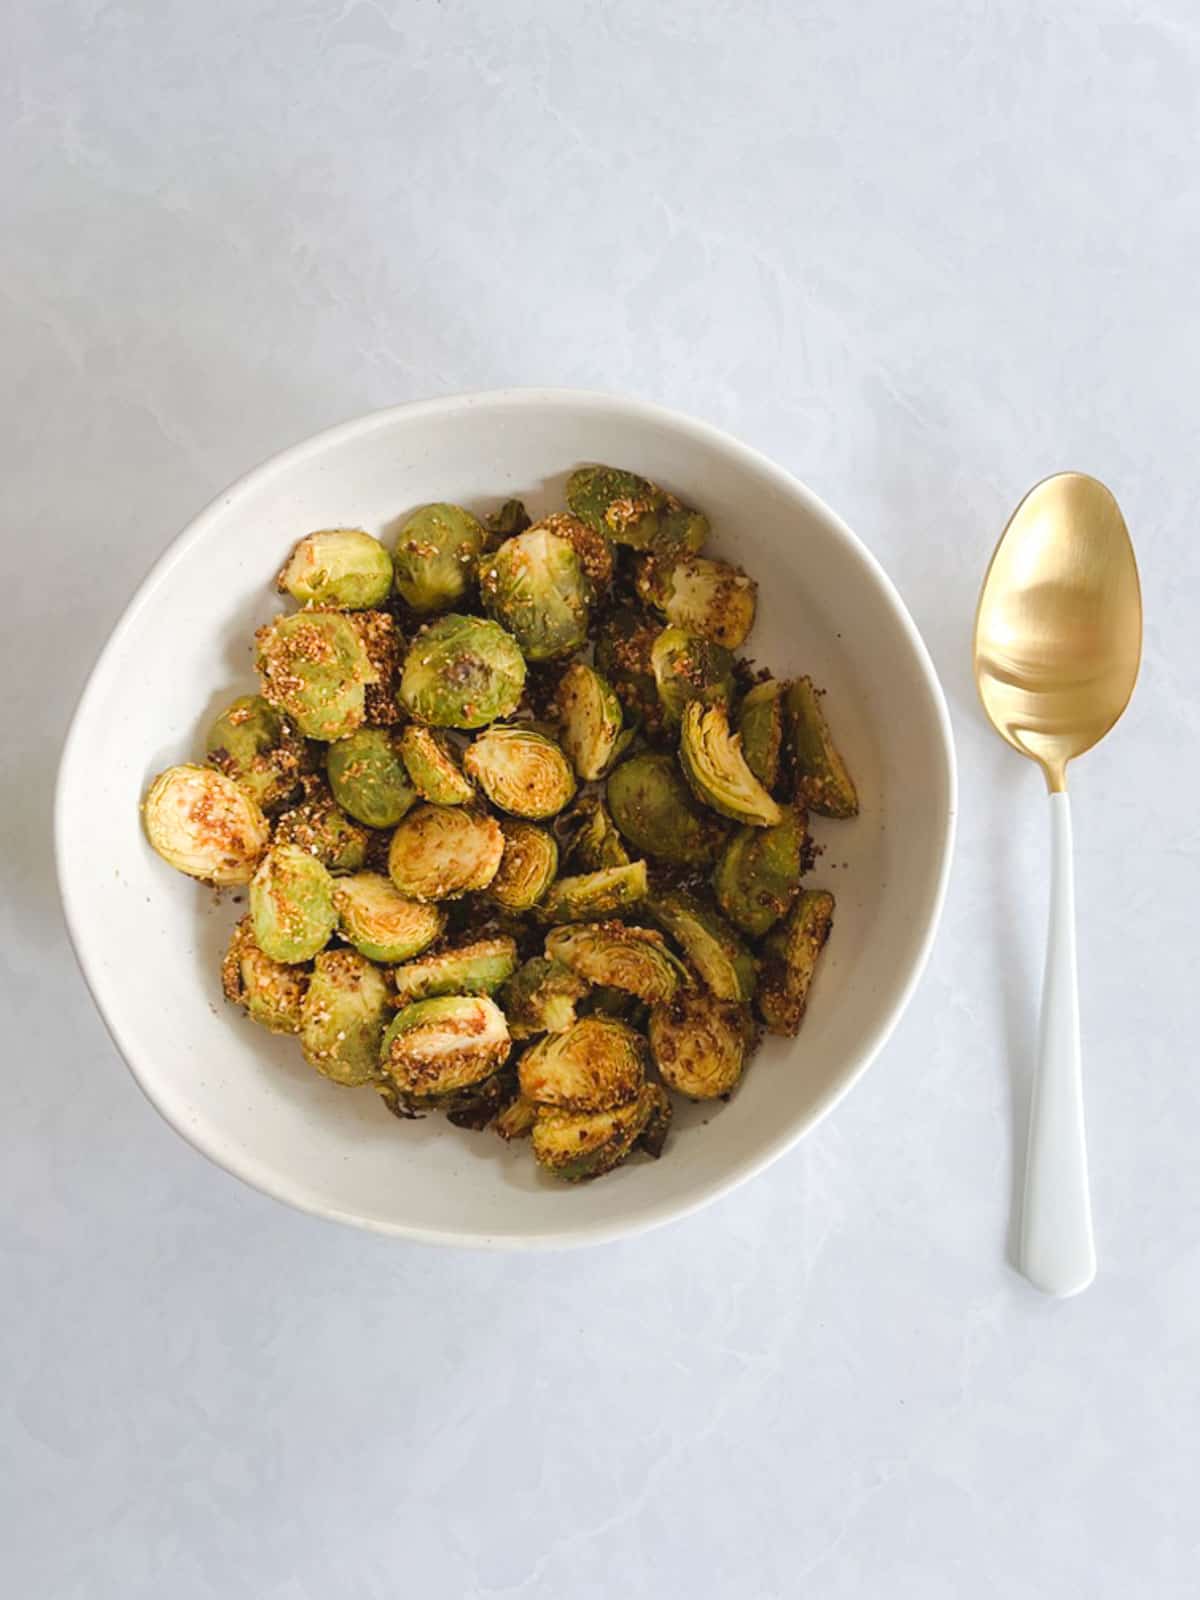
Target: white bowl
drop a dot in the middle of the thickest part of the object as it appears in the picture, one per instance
(149, 941)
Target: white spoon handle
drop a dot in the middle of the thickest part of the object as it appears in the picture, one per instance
(1057, 1252)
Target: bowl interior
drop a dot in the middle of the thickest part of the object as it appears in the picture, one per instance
(150, 941)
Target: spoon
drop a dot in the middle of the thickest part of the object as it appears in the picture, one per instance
(1058, 640)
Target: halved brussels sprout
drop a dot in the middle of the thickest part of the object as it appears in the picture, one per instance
(595, 842)
(540, 997)
(597, 1063)
(527, 867)
(377, 919)
(291, 904)
(511, 518)
(462, 672)
(822, 782)
(368, 778)
(634, 959)
(268, 991)
(689, 671)
(202, 823)
(433, 767)
(653, 1136)
(535, 586)
(441, 852)
(758, 875)
(315, 668)
(681, 531)
(577, 1145)
(656, 812)
(343, 1017)
(434, 1047)
(383, 644)
(341, 567)
(593, 547)
(699, 1044)
(252, 744)
(712, 762)
(590, 720)
(435, 557)
(708, 598)
(620, 504)
(517, 1119)
(709, 943)
(319, 826)
(478, 968)
(521, 771)
(624, 641)
(595, 894)
(789, 961)
(760, 723)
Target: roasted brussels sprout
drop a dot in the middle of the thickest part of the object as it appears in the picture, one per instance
(377, 919)
(689, 671)
(268, 991)
(536, 587)
(341, 567)
(368, 778)
(655, 811)
(709, 943)
(758, 874)
(435, 557)
(760, 723)
(462, 672)
(653, 1136)
(291, 904)
(478, 968)
(435, 1047)
(577, 1145)
(252, 744)
(521, 771)
(441, 852)
(699, 1043)
(590, 720)
(789, 961)
(527, 868)
(822, 782)
(593, 547)
(595, 1064)
(315, 668)
(595, 842)
(634, 959)
(517, 1119)
(202, 823)
(595, 894)
(540, 997)
(712, 762)
(343, 1016)
(433, 767)
(708, 598)
(624, 641)
(511, 518)
(620, 504)
(319, 826)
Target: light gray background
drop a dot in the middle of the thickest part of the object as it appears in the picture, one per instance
(920, 254)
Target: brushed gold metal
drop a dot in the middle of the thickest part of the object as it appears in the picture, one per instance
(1058, 632)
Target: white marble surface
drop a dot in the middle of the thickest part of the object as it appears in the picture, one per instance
(921, 255)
